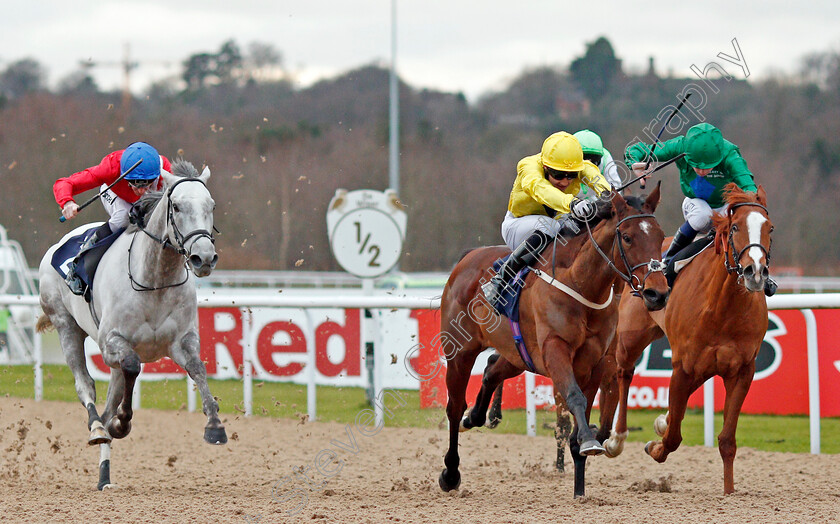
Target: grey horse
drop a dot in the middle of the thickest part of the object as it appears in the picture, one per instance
(143, 306)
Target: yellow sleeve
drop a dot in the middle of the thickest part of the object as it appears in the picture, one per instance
(532, 180)
(592, 177)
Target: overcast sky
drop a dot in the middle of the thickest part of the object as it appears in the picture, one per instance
(452, 45)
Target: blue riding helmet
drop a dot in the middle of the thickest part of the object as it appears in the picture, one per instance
(149, 169)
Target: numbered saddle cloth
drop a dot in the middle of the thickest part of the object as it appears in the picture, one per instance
(87, 260)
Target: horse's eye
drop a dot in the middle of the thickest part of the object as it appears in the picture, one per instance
(175, 208)
(734, 228)
(772, 229)
(626, 238)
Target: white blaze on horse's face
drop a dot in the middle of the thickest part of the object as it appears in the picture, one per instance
(644, 225)
(755, 221)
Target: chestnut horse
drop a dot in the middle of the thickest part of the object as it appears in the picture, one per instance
(715, 321)
(566, 337)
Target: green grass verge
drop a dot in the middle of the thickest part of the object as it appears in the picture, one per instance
(764, 432)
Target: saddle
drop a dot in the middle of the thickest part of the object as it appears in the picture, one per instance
(686, 255)
(86, 261)
(508, 306)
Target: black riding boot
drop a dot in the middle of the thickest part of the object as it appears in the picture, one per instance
(77, 287)
(523, 256)
(681, 240)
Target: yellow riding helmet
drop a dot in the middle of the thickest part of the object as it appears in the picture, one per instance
(562, 152)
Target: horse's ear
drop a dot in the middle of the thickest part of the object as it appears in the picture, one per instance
(762, 196)
(653, 198)
(168, 178)
(205, 175)
(619, 204)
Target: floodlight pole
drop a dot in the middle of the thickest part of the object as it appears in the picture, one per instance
(394, 149)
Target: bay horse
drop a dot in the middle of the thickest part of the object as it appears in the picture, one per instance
(715, 321)
(143, 305)
(566, 336)
(563, 426)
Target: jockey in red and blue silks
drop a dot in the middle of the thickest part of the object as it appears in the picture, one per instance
(709, 164)
(116, 200)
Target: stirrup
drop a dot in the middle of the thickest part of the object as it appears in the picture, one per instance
(75, 284)
(77, 287)
(493, 289)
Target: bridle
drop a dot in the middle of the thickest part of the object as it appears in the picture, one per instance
(180, 239)
(736, 266)
(636, 284)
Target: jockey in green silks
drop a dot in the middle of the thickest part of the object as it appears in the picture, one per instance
(709, 164)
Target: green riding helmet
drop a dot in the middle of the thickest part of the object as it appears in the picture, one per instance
(703, 146)
(590, 142)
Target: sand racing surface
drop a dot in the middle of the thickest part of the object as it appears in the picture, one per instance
(164, 472)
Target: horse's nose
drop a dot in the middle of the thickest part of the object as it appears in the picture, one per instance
(749, 272)
(654, 300)
(203, 266)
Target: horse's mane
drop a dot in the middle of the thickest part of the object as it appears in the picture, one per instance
(732, 195)
(604, 211)
(147, 203)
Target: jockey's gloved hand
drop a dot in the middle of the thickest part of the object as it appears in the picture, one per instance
(582, 210)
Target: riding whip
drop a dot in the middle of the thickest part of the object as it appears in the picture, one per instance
(654, 170)
(62, 218)
(649, 156)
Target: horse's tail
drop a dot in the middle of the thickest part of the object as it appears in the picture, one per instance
(44, 324)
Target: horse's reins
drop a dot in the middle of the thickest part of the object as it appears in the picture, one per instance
(653, 265)
(736, 266)
(180, 239)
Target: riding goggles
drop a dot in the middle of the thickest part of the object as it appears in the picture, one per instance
(595, 159)
(561, 175)
(141, 184)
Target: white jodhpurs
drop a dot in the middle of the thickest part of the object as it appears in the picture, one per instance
(516, 230)
(117, 209)
(698, 214)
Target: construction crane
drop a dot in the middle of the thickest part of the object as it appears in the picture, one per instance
(127, 65)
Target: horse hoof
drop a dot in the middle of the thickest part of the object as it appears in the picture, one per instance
(660, 425)
(117, 428)
(449, 486)
(647, 447)
(591, 448)
(99, 435)
(613, 447)
(215, 435)
(106, 487)
(492, 423)
(463, 426)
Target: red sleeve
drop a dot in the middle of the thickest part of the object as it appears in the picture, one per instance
(105, 173)
(166, 164)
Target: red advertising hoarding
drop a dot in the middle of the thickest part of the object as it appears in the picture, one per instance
(280, 340)
(780, 385)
